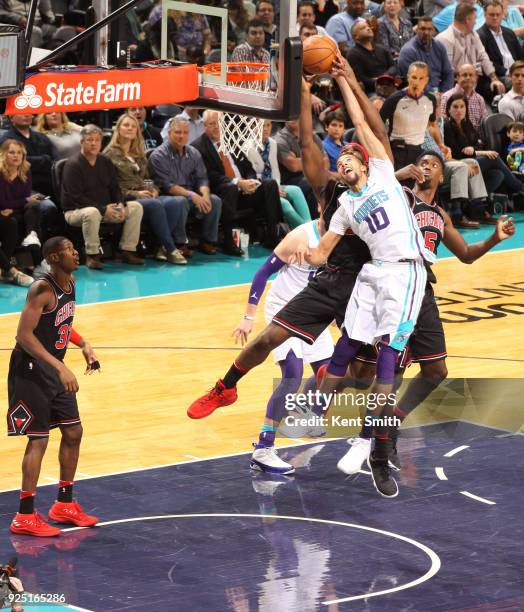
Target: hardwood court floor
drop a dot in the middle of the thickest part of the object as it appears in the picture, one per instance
(160, 353)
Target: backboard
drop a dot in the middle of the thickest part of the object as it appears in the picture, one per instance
(190, 25)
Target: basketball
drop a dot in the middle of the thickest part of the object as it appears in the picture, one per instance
(319, 54)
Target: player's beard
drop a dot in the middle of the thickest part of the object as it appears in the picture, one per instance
(351, 179)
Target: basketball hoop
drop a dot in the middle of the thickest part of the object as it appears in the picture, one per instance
(240, 133)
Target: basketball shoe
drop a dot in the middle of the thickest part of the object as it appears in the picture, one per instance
(32, 524)
(71, 512)
(218, 397)
(352, 461)
(394, 459)
(266, 459)
(384, 483)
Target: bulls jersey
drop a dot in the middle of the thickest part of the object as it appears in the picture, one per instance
(431, 223)
(292, 279)
(380, 215)
(351, 253)
(54, 326)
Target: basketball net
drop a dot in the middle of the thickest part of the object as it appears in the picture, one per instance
(240, 133)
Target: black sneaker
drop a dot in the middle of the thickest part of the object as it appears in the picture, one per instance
(393, 458)
(384, 483)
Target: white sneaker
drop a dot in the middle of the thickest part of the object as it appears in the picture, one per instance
(176, 257)
(352, 461)
(30, 239)
(267, 460)
(17, 278)
(42, 268)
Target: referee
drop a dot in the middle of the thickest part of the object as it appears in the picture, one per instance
(409, 113)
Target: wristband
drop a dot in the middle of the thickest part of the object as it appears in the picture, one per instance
(249, 318)
(75, 338)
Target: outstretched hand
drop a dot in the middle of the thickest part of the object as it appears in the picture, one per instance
(341, 68)
(505, 227)
(242, 331)
(299, 256)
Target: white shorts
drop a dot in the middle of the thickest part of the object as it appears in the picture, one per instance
(386, 300)
(322, 348)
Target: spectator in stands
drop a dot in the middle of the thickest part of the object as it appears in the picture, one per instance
(40, 154)
(513, 18)
(290, 160)
(238, 19)
(64, 134)
(423, 48)
(393, 29)
(266, 14)
(19, 213)
(265, 163)
(15, 12)
(234, 180)
(466, 83)
(339, 26)
(306, 17)
(515, 149)
(194, 120)
(178, 169)
(335, 125)
(463, 46)
(307, 30)
(386, 85)
(431, 7)
(324, 10)
(166, 215)
(512, 103)
(192, 30)
(444, 19)
(409, 112)
(151, 134)
(369, 60)
(465, 143)
(253, 49)
(501, 43)
(91, 195)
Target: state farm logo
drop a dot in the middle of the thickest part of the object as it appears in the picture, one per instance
(28, 97)
(57, 94)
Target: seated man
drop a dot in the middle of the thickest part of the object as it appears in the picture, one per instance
(290, 161)
(512, 103)
(151, 134)
(177, 168)
(90, 195)
(253, 49)
(235, 181)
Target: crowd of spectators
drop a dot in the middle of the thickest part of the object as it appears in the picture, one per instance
(159, 180)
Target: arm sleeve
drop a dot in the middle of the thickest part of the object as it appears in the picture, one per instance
(270, 266)
(340, 222)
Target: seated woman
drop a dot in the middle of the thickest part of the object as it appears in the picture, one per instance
(164, 215)
(64, 134)
(465, 143)
(19, 211)
(393, 28)
(265, 163)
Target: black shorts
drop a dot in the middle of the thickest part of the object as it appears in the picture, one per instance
(37, 400)
(426, 343)
(324, 299)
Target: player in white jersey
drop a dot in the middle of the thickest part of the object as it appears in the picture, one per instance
(292, 354)
(386, 299)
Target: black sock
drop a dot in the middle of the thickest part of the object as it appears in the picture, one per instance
(234, 374)
(65, 491)
(382, 447)
(27, 502)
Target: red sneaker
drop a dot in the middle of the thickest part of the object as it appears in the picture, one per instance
(216, 398)
(321, 373)
(33, 524)
(72, 512)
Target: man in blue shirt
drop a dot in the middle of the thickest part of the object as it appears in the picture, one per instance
(422, 48)
(339, 26)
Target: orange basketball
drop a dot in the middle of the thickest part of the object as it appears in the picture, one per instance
(319, 54)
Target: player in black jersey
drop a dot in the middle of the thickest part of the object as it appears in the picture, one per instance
(327, 294)
(42, 390)
(427, 344)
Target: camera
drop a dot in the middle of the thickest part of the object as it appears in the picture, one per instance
(6, 572)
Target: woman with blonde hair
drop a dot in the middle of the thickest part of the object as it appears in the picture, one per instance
(64, 134)
(19, 212)
(164, 215)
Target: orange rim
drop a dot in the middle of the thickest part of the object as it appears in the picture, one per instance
(253, 71)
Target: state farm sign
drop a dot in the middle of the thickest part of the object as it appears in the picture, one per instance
(62, 91)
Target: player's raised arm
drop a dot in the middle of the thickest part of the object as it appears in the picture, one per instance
(277, 260)
(312, 157)
(39, 297)
(374, 146)
(468, 253)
